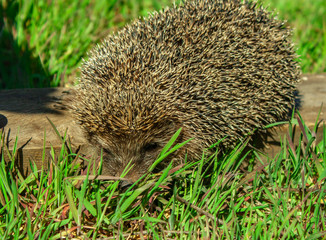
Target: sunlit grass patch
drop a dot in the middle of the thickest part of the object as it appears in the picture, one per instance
(42, 43)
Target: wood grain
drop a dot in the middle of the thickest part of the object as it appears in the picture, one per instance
(24, 113)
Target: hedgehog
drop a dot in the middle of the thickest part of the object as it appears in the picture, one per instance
(217, 69)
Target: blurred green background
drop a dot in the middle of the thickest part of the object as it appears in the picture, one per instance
(42, 42)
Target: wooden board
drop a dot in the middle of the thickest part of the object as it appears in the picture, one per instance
(24, 113)
(310, 100)
(27, 112)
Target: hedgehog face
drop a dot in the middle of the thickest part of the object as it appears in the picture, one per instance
(139, 150)
(127, 123)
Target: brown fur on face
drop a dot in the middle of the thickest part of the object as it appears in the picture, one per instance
(127, 124)
(217, 68)
(139, 148)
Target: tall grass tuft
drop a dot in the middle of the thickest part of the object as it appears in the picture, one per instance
(216, 197)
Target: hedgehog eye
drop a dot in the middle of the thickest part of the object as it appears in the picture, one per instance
(106, 152)
(150, 146)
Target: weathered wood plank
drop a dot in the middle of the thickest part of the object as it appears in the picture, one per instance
(311, 98)
(25, 113)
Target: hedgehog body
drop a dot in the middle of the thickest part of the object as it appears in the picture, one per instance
(218, 69)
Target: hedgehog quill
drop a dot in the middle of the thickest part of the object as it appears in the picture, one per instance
(217, 68)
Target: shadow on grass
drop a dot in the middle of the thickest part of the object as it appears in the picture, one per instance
(18, 67)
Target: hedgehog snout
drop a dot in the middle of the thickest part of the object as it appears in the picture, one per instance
(125, 184)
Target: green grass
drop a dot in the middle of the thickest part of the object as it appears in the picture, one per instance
(42, 42)
(308, 18)
(216, 197)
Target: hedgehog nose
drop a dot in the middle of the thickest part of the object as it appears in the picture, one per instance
(125, 184)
